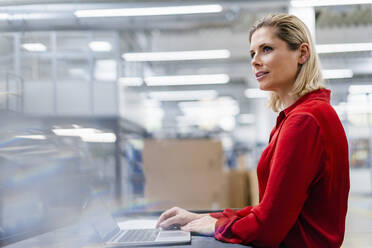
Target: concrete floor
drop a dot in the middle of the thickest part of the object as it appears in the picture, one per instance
(359, 222)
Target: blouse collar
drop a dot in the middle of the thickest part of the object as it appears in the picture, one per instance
(321, 94)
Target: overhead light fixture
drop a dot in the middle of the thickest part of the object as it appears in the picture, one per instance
(130, 81)
(4, 16)
(187, 95)
(100, 46)
(34, 47)
(150, 11)
(318, 3)
(338, 73)
(87, 134)
(99, 137)
(33, 137)
(187, 80)
(256, 93)
(360, 89)
(343, 48)
(74, 131)
(178, 55)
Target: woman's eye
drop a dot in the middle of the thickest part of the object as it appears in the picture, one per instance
(267, 49)
(252, 55)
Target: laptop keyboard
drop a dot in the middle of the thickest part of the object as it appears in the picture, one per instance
(139, 235)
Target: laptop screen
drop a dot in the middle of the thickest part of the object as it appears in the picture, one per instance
(42, 185)
(101, 219)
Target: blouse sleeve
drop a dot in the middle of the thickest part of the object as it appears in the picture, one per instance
(294, 165)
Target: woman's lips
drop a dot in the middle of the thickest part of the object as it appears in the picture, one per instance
(261, 75)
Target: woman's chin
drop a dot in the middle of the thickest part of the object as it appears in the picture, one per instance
(263, 87)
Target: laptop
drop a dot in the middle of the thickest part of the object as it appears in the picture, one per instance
(112, 236)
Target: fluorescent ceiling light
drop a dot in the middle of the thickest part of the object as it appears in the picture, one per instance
(33, 137)
(256, 93)
(315, 3)
(339, 73)
(74, 131)
(150, 11)
(179, 55)
(187, 80)
(99, 137)
(130, 81)
(188, 95)
(342, 48)
(4, 16)
(100, 46)
(360, 89)
(34, 47)
(87, 134)
(23, 16)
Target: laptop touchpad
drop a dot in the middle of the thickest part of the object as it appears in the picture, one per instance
(165, 235)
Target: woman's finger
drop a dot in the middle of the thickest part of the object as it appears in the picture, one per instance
(174, 220)
(165, 215)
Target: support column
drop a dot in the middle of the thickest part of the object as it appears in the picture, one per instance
(118, 169)
(53, 39)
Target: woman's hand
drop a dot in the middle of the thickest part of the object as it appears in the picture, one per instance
(177, 217)
(204, 226)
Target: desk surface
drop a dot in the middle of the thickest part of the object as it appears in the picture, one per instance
(50, 241)
(79, 236)
(206, 242)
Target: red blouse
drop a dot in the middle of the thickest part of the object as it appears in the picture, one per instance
(303, 177)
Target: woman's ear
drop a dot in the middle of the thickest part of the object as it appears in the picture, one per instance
(304, 52)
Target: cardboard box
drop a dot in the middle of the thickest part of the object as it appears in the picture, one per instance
(182, 154)
(241, 163)
(184, 172)
(253, 187)
(238, 189)
(191, 190)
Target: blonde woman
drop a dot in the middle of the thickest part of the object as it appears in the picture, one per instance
(303, 173)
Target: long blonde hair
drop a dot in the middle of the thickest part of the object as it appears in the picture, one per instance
(294, 32)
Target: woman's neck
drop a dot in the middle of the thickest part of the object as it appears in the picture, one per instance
(288, 99)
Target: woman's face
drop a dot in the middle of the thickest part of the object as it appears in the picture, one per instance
(273, 64)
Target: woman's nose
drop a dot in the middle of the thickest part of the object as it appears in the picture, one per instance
(256, 61)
